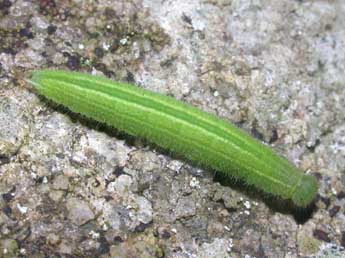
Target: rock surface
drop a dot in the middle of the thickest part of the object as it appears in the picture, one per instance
(73, 188)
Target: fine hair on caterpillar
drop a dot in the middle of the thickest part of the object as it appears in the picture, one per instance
(180, 128)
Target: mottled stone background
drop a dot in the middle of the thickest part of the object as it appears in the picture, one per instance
(73, 188)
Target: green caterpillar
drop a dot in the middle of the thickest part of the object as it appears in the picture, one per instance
(178, 127)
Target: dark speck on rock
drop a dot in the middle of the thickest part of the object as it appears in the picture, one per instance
(3, 159)
(321, 235)
(334, 210)
(39, 180)
(7, 210)
(164, 233)
(104, 245)
(341, 195)
(108, 198)
(99, 52)
(73, 62)
(118, 171)
(130, 77)
(25, 32)
(274, 135)
(96, 183)
(186, 19)
(318, 176)
(118, 239)
(51, 29)
(5, 6)
(326, 201)
(114, 46)
(313, 146)
(141, 227)
(10, 51)
(109, 13)
(60, 155)
(257, 134)
(68, 44)
(9, 196)
(103, 68)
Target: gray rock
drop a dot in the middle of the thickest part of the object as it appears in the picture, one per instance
(219, 248)
(115, 216)
(185, 207)
(331, 251)
(122, 184)
(61, 182)
(79, 211)
(12, 131)
(230, 198)
(57, 195)
(142, 210)
(274, 67)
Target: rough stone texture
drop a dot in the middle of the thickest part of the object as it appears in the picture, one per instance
(78, 211)
(73, 188)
